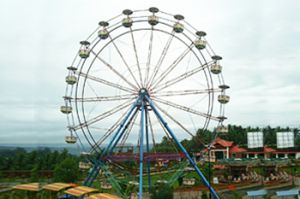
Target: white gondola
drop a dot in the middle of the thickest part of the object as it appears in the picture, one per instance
(178, 27)
(127, 22)
(85, 153)
(188, 181)
(189, 169)
(66, 109)
(106, 185)
(71, 79)
(200, 44)
(162, 182)
(70, 139)
(216, 68)
(84, 165)
(153, 20)
(84, 53)
(222, 129)
(135, 183)
(103, 34)
(223, 99)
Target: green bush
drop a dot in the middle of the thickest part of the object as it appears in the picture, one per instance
(204, 195)
(162, 192)
(67, 171)
(236, 195)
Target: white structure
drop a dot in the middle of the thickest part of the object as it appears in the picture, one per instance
(106, 185)
(285, 139)
(84, 165)
(255, 139)
(189, 181)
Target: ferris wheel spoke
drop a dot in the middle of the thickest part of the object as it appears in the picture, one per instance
(95, 104)
(149, 58)
(166, 133)
(104, 115)
(126, 135)
(172, 66)
(176, 121)
(108, 83)
(136, 56)
(161, 59)
(105, 98)
(114, 70)
(124, 61)
(184, 108)
(152, 132)
(181, 77)
(185, 92)
(110, 130)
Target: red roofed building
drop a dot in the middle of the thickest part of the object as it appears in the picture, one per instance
(223, 149)
(265, 152)
(236, 149)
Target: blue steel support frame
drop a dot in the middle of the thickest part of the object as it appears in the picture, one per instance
(148, 150)
(122, 133)
(142, 128)
(204, 180)
(93, 174)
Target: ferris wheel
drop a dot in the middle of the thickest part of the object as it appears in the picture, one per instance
(138, 77)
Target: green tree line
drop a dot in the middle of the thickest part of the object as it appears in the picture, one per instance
(41, 159)
(236, 133)
(62, 165)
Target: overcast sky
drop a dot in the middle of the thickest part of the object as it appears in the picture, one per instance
(258, 39)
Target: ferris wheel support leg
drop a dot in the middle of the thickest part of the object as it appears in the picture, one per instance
(142, 123)
(126, 125)
(148, 150)
(204, 180)
(97, 166)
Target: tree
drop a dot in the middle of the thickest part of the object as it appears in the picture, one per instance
(34, 173)
(166, 145)
(31, 160)
(67, 170)
(237, 134)
(63, 155)
(162, 192)
(19, 159)
(236, 195)
(270, 135)
(180, 180)
(297, 138)
(204, 195)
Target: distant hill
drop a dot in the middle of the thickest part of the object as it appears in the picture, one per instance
(73, 149)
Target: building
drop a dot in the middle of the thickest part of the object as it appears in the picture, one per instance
(223, 149)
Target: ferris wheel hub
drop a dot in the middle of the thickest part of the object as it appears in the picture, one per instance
(143, 92)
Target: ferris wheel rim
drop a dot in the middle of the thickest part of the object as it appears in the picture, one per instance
(211, 107)
(141, 92)
(127, 32)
